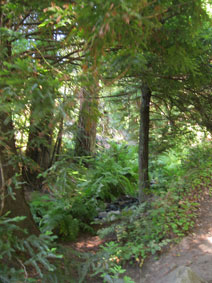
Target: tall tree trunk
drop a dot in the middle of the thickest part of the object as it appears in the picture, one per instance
(39, 145)
(87, 123)
(144, 142)
(12, 201)
(12, 197)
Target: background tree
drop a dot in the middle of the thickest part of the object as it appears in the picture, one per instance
(158, 51)
(87, 123)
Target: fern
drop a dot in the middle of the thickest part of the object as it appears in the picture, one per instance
(18, 254)
(111, 175)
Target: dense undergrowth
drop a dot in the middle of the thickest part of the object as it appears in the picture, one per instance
(75, 195)
(180, 178)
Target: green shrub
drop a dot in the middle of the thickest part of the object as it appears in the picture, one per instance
(84, 209)
(64, 220)
(77, 192)
(18, 254)
(112, 173)
(61, 223)
(103, 264)
(198, 156)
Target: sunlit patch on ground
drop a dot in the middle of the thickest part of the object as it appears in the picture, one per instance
(89, 244)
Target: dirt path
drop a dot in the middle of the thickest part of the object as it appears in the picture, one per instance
(194, 251)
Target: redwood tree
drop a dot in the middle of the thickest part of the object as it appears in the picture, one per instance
(12, 192)
(87, 123)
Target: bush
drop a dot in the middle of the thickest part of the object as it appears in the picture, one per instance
(77, 192)
(64, 220)
(18, 255)
(113, 172)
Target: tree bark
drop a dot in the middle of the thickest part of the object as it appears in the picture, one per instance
(144, 143)
(58, 143)
(39, 144)
(87, 123)
(12, 197)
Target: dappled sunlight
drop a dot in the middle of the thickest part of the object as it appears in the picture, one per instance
(89, 243)
(209, 240)
(204, 243)
(193, 251)
(105, 130)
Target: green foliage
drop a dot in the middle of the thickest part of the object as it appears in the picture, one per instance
(103, 264)
(52, 215)
(198, 156)
(170, 168)
(77, 192)
(61, 179)
(63, 219)
(61, 222)
(17, 254)
(39, 43)
(170, 213)
(166, 169)
(84, 209)
(66, 210)
(137, 234)
(178, 175)
(113, 173)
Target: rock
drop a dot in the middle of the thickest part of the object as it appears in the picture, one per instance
(112, 215)
(102, 214)
(111, 206)
(113, 209)
(183, 274)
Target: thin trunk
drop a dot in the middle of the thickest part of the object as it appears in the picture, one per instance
(60, 138)
(87, 123)
(58, 143)
(144, 143)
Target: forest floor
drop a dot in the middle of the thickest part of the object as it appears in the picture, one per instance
(194, 251)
